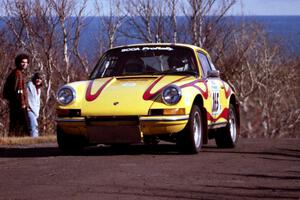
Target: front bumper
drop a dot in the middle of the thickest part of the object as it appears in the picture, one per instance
(121, 129)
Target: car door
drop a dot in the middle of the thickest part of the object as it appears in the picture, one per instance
(215, 102)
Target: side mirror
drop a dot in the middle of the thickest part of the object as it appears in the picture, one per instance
(213, 74)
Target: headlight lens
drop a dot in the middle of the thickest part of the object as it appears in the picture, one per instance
(65, 95)
(171, 95)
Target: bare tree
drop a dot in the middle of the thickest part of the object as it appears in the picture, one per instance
(139, 14)
(46, 31)
(63, 9)
(146, 20)
(112, 22)
(79, 25)
(266, 89)
(197, 14)
(266, 80)
(173, 16)
(6, 63)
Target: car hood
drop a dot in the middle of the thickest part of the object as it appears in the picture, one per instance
(123, 96)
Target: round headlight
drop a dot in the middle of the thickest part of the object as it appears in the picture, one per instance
(171, 94)
(65, 95)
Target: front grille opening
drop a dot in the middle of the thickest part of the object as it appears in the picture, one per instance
(156, 112)
(113, 120)
(68, 112)
(167, 111)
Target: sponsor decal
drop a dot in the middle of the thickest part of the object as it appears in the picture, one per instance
(147, 49)
(130, 49)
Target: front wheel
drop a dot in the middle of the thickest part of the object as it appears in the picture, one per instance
(70, 144)
(227, 137)
(190, 140)
(150, 140)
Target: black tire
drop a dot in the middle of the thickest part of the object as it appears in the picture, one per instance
(70, 144)
(150, 140)
(227, 137)
(191, 139)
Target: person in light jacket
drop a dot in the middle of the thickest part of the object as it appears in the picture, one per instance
(34, 102)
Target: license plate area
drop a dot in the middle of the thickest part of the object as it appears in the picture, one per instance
(121, 134)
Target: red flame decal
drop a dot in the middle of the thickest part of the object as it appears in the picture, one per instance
(148, 95)
(92, 97)
(193, 84)
(228, 92)
(224, 115)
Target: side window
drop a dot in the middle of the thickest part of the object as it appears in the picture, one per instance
(204, 63)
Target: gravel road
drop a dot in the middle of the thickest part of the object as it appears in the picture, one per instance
(255, 169)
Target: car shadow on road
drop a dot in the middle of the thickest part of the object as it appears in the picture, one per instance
(275, 154)
(29, 152)
(101, 150)
(140, 149)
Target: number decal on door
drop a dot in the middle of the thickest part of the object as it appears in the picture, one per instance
(215, 98)
(216, 102)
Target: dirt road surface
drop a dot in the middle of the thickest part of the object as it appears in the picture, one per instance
(255, 169)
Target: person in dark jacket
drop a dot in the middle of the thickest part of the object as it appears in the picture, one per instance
(16, 94)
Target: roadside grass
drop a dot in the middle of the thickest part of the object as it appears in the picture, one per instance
(27, 140)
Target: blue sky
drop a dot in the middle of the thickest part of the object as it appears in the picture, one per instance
(242, 7)
(249, 7)
(267, 7)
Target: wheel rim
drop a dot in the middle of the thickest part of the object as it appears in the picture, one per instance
(197, 129)
(232, 125)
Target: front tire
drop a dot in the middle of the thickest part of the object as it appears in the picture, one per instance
(69, 144)
(190, 140)
(227, 137)
(151, 140)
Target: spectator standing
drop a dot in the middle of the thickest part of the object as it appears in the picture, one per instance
(16, 95)
(34, 102)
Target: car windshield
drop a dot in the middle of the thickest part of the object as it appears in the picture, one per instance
(147, 60)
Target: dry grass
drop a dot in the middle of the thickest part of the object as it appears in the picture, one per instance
(27, 140)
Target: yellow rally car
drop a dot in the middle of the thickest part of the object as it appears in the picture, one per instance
(146, 93)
